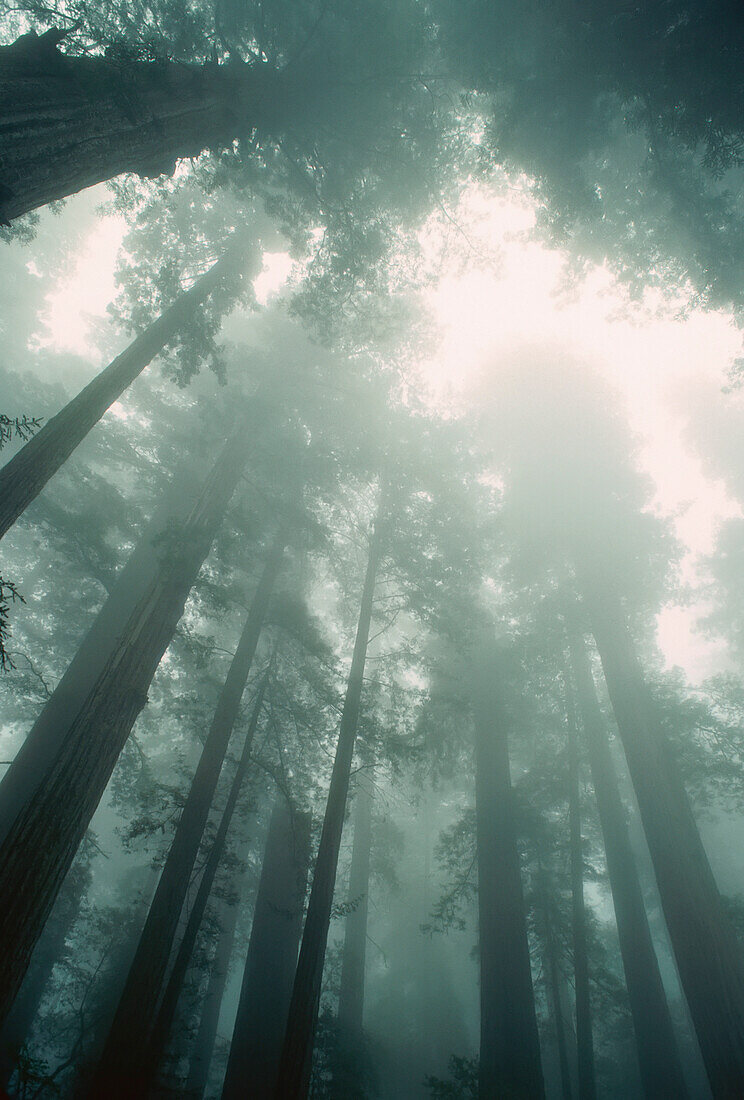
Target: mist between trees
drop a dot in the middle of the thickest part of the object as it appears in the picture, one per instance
(369, 409)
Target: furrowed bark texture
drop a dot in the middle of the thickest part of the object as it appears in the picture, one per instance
(510, 1064)
(42, 841)
(24, 477)
(52, 727)
(584, 1043)
(67, 123)
(705, 946)
(351, 992)
(161, 1028)
(295, 1067)
(272, 956)
(658, 1056)
(120, 1065)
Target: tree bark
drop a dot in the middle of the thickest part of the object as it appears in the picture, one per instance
(67, 122)
(705, 945)
(138, 1075)
(351, 993)
(27, 473)
(584, 1042)
(265, 994)
(510, 1064)
(658, 1055)
(119, 1068)
(41, 843)
(293, 1080)
(52, 728)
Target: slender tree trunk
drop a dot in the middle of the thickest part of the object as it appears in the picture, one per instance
(41, 844)
(658, 1056)
(52, 728)
(263, 1008)
(351, 993)
(554, 993)
(510, 1065)
(584, 1042)
(134, 1018)
(295, 1067)
(137, 1076)
(709, 959)
(27, 473)
(67, 123)
(49, 951)
(203, 1049)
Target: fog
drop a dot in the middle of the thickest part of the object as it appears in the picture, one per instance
(371, 614)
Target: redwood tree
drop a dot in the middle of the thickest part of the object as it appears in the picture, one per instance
(39, 847)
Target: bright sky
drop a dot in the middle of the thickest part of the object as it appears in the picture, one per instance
(484, 307)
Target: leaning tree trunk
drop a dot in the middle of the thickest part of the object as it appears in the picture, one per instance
(510, 1065)
(24, 477)
(139, 1074)
(351, 992)
(120, 1065)
(265, 995)
(43, 839)
(584, 1042)
(295, 1067)
(658, 1057)
(67, 122)
(52, 728)
(709, 958)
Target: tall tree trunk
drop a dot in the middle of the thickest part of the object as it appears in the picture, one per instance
(658, 1056)
(70, 122)
(295, 1067)
(265, 994)
(211, 1005)
(48, 952)
(554, 991)
(709, 959)
(26, 474)
(351, 993)
(52, 728)
(130, 1030)
(510, 1065)
(41, 844)
(584, 1042)
(138, 1074)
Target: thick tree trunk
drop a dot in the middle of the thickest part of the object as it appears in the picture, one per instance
(709, 958)
(260, 1024)
(49, 951)
(67, 123)
(41, 843)
(584, 1043)
(293, 1080)
(510, 1064)
(658, 1056)
(51, 729)
(26, 474)
(128, 1038)
(351, 993)
(138, 1074)
(211, 1005)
